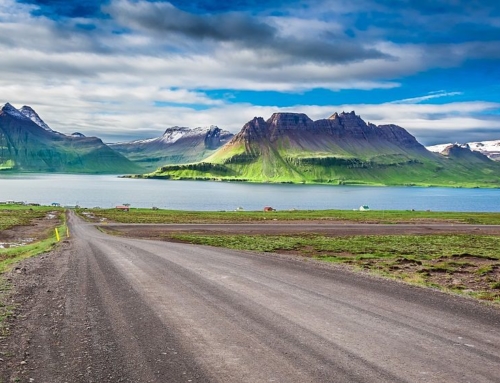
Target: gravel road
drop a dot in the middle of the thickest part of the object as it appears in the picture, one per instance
(114, 309)
(291, 227)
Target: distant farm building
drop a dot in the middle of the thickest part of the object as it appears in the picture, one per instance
(269, 208)
(364, 208)
(123, 208)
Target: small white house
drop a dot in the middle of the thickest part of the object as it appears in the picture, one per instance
(364, 208)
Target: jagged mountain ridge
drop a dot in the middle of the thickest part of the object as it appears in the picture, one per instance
(342, 149)
(27, 144)
(177, 145)
(344, 134)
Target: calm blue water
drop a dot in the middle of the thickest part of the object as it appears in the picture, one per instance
(108, 191)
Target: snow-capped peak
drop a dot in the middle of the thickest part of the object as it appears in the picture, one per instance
(438, 148)
(175, 133)
(488, 148)
(9, 109)
(33, 116)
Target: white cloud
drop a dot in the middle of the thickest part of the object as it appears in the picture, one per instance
(106, 83)
(135, 119)
(430, 96)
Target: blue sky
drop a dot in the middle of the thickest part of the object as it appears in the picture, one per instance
(128, 69)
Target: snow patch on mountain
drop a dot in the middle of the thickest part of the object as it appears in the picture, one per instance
(9, 109)
(486, 146)
(174, 134)
(145, 141)
(438, 148)
(490, 149)
(33, 116)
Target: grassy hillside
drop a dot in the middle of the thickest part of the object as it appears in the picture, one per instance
(379, 170)
(152, 159)
(26, 147)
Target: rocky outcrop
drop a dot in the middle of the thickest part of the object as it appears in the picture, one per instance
(455, 149)
(255, 129)
(216, 137)
(399, 136)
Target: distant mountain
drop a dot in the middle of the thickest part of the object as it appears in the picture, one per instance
(28, 144)
(343, 149)
(178, 145)
(488, 148)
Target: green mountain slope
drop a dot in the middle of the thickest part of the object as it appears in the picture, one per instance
(26, 146)
(342, 149)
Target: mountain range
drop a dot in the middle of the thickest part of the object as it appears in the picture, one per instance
(178, 145)
(28, 144)
(342, 149)
(287, 148)
(490, 149)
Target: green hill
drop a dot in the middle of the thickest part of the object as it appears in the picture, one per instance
(28, 146)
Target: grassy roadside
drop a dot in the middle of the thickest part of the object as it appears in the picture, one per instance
(9, 257)
(20, 215)
(464, 264)
(15, 217)
(373, 216)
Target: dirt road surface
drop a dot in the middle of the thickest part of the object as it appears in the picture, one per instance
(291, 227)
(114, 309)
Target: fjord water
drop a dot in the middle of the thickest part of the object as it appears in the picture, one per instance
(108, 191)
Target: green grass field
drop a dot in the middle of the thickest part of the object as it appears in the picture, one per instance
(19, 215)
(373, 216)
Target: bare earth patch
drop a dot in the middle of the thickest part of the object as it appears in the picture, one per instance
(26, 234)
